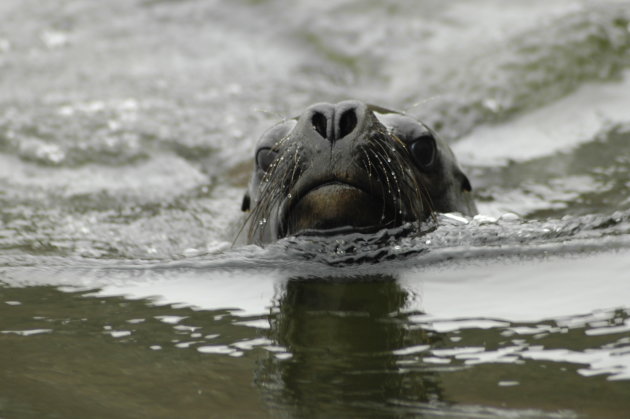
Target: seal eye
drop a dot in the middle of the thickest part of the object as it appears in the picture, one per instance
(423, 151)
(264, 157)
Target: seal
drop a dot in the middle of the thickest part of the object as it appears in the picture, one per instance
(350, 166)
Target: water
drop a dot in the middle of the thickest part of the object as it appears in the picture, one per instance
(126, 132)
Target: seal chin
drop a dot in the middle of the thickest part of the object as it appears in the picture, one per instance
(333, 206)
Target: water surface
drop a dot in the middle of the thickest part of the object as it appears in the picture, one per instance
(126, 134)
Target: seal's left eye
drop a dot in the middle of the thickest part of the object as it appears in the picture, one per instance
(423, 151)
(264, 157)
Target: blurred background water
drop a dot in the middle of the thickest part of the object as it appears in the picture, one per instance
(126, 138)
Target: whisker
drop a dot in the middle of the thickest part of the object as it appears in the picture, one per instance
(275, 186)
(421, 103)
(385, 174)
(394, 163)
(415, 192)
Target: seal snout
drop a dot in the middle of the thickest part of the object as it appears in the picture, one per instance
(334, 190)
(343, 120)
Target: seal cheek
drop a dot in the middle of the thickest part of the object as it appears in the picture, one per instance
(334, 205)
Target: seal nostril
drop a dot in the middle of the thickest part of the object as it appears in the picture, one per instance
(347, 123)
(319, 123)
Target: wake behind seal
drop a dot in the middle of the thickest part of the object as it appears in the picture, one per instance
(350, 167)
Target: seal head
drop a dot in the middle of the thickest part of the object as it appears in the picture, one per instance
(350, 167)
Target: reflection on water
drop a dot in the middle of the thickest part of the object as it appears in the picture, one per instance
(344, 338)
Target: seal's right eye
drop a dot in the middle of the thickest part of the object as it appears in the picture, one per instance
(264, 157)
(423, 151)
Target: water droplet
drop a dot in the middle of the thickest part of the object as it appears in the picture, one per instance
(262, 222)
(389, 160)
(289, 196)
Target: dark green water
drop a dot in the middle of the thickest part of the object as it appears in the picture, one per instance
(126, 133)
(471, 340)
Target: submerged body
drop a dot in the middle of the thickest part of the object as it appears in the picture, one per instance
(350, 167)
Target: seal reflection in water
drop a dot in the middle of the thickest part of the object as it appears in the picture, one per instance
(349, 344)
(350, 167)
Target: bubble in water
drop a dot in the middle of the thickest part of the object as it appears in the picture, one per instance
(191, 252)
(509, 217)
(492, 104)
(54, 39)
(484, 219)
(455, 217)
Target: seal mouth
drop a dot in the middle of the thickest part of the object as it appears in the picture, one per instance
(336, 206)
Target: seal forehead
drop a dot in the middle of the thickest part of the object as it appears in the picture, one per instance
(404, 127)
(277, 132)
